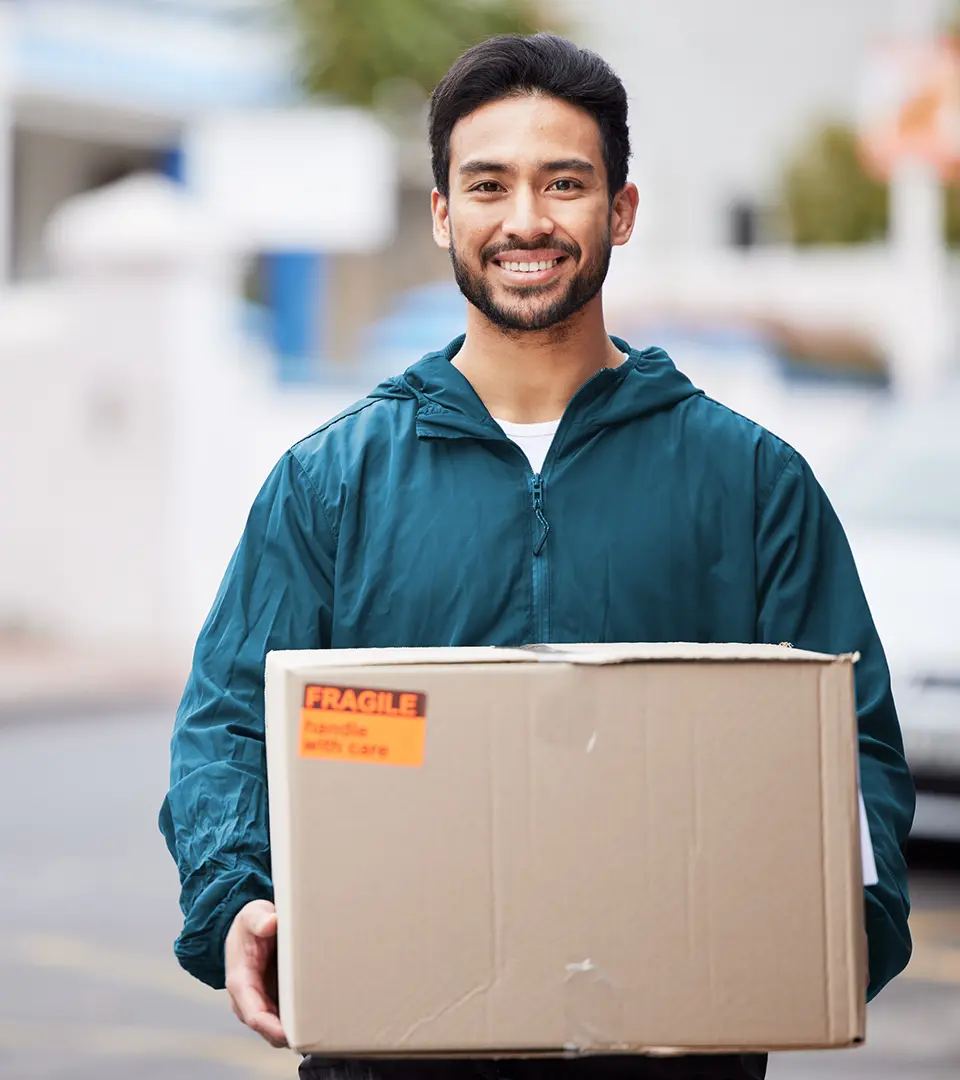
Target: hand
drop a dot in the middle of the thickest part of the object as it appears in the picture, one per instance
(250, 958)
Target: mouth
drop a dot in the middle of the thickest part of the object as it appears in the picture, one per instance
(521, 268)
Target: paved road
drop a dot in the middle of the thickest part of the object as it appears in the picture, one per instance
(88, 908)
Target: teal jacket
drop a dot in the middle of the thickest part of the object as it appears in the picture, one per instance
(411, 519)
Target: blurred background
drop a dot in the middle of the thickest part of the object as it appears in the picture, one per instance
(214, 234)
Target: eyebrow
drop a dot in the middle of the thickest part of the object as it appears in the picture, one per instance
(470, 168)
(567, 165)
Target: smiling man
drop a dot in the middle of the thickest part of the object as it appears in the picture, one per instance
(536, 480)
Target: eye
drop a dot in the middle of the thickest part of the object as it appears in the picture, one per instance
(565, 185)
(487, 187)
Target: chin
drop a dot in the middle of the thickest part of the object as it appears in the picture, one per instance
(523, 293)
(529, 322)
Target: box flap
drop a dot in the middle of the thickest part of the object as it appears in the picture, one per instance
(573, 653)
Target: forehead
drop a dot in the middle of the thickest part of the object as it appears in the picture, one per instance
(526, 129)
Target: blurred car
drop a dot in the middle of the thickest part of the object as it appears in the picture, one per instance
(899, 500)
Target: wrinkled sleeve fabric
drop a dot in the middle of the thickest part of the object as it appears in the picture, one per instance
(809, 594)
(277, 594)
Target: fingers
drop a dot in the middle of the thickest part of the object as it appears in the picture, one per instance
(249, 956)
(268, 1025)
(253, 1007)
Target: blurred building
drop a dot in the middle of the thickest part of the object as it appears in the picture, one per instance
(96, 89)
(93, 90)
(720, 93)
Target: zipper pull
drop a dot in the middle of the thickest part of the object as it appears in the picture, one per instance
(538, 510)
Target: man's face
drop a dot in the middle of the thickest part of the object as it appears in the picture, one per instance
(528, 222)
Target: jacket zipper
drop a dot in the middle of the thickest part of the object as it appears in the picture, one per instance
(541, 622)
(541, 599)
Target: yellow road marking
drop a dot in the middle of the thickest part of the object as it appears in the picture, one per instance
(936, 946)
(137, 1042)
(144, 970)
(936, 923)
(941, 966)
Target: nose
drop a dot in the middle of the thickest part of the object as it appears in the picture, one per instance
(525, 217)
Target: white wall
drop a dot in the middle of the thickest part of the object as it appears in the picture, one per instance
(135, 425)
(867, 290)
(135, 431)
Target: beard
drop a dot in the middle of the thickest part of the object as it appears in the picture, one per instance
(527, 316)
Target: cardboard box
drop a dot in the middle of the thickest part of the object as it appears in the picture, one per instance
(573, 849)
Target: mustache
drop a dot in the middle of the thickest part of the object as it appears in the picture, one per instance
(492, 250)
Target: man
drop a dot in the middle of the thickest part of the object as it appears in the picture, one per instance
(535, 481)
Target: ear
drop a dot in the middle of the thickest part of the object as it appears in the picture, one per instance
(439, 208)
(623, 214)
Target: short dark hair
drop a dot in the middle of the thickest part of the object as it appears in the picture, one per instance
(514, 64)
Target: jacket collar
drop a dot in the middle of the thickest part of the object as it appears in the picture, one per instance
(449, 407)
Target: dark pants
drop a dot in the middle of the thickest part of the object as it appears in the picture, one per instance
(748, 1067)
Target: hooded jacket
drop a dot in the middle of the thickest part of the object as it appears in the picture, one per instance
(412, 520)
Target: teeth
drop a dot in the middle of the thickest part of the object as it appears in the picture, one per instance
(528, 267)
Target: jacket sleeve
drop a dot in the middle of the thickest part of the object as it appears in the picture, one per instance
(277, 594)
(810, 595)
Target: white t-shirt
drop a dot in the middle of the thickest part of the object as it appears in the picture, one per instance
(533, 439)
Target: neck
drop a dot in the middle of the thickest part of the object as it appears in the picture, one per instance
(529, 376)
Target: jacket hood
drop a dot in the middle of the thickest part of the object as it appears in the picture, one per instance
(646, 382)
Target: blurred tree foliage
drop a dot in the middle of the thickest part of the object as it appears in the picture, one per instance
(952, 213)
(829, 198)
(354, 48)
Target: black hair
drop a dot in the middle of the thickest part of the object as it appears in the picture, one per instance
(513, 64)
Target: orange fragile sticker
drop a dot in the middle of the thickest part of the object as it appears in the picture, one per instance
(348, 723)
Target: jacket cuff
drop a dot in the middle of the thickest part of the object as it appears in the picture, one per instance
(199, 949)
(888, 936)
